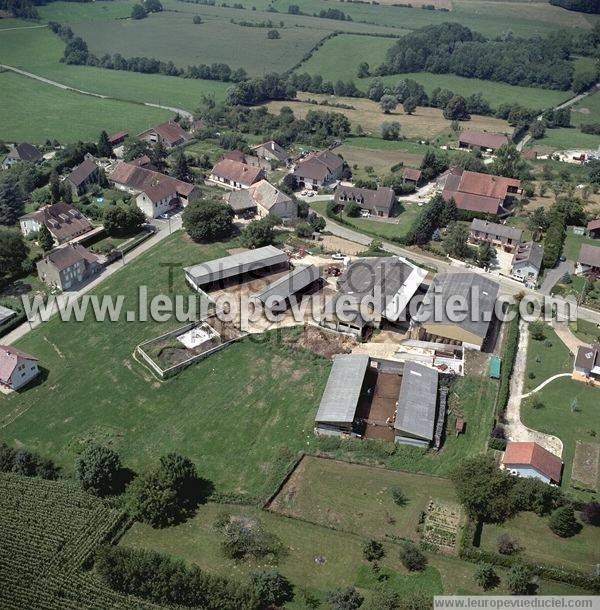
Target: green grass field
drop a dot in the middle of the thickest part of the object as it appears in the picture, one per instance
(317, 492)
(540, 544)
(585, 330)
(241, 415)
(44, 111)
(574, 242)
(545, 358)
(565, 138)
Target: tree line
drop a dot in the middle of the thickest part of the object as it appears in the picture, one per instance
(582, 6)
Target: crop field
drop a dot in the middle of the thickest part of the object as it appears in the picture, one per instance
(50, 530)
(426, 123)
(44, 111)
(39, 51)
(207, 43)
(539, 543)
(358, 499)
(242, 414)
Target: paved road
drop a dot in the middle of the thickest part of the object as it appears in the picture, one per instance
(554, 275)
(162, 229)
(184, 113)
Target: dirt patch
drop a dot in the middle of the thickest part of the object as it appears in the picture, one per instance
(585, 463)
(324, 342)
(338, 244)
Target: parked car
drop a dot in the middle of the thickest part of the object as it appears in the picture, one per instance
(365, 213)
(338, 256)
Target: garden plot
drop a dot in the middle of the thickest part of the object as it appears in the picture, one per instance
(441, 526)
(585, 463)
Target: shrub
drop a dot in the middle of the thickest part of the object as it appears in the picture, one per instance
(344, 599)
(245, 537)
(537, 330)
(411, 556)
(398, 496)
(270, 588)
(518, 579)
(486, 577)
(508, 545)
(352, 209)
(498, 432)
(499, 444)
(563, 522)
(373, 550)
(97, 469)
(590, 513)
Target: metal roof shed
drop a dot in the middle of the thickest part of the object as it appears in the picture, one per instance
(342, 392)
(417, 405)
(282, 289)
(236, 264)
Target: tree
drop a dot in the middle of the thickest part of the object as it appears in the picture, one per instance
(398, 496)
(208, 220)
(258, 233)
(45, 239)
(270, 588)
(456, 109)
(388, 103)
(373, 550)
(485, 254)
(352, 209)
(197, 19)
(316, 222)
(138, 12)
(153, 6)
(411, 557)
(537, 130)
(563, 522)
(590, 513)
(97, 468)
(273, 35)
(518, 579)
(409, 105)
(246, 538)
(363, 70)
(104, 147)
(11, 201)
(508, 162)
(7, 457)
(456, 240)
(538, 221)
(181, 169)
(390, 130)
(344, 599)
(483, 489)
(289, 183)
(486, 577)
(13, 253)
(134, 149)
(54, 187)
(122, 219)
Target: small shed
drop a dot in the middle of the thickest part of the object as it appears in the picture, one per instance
(495, 367)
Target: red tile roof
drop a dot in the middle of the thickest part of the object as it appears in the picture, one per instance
(238, 172)
(117, 137)
(483, 139)
(410, 173)
(593, 225)
(171, 132)
(534, 455)
(9, 359)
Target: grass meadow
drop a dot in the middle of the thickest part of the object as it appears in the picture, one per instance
(35, 111)
(241, 415)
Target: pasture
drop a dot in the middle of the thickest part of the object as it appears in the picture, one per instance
(425, 123)
(44, 111)
(586, 110)
(564, 138)
(241, 415)
(380, 160)
(539, 543)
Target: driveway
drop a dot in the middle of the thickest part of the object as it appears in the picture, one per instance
(554, 275)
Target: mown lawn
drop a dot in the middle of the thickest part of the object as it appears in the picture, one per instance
(566, 138)
(585, 330)
(33, 111)
(540, 544)
(241, 415)
(574, 242)
(545, 358)
(587, 110)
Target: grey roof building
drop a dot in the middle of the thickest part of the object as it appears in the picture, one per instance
(342, 393)
(417, 405)
(470, 328)
(277, 294)
(527, 261)
(501, 235)
(234, 265)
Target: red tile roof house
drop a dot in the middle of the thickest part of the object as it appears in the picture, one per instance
(481, 139)
(319, 169)
(593, 228)
(480, 193)
(67, 267)
(64, 222)
(533, 461)
(587, 364)
(155, 193)
(412, 176)
(117, 138)
(169, 134)
(378, 202)
(17, 368)
(234, 174)
(588, 260)
(82, 176)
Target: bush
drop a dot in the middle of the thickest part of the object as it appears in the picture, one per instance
(510, 352)
(270, 588)
(563, 522)
(27, 463)
(508, 545)
(245, 537)
(258, 233)
(499, 444)
(352, 209)
(373, 550)
(138, 12)
(537, 330)
(97, 469)
(486, 577)
(518, 579)
(411, 557)
(398, 496)
(590, 513)
(344, 599)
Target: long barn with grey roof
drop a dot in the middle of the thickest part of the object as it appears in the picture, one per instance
(416, 414)
(341, 396)
(277, 294)
(228, 267)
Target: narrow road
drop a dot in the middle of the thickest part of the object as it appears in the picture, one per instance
(24, 27)
(163, 229)
(184, 113)
(544, 384)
